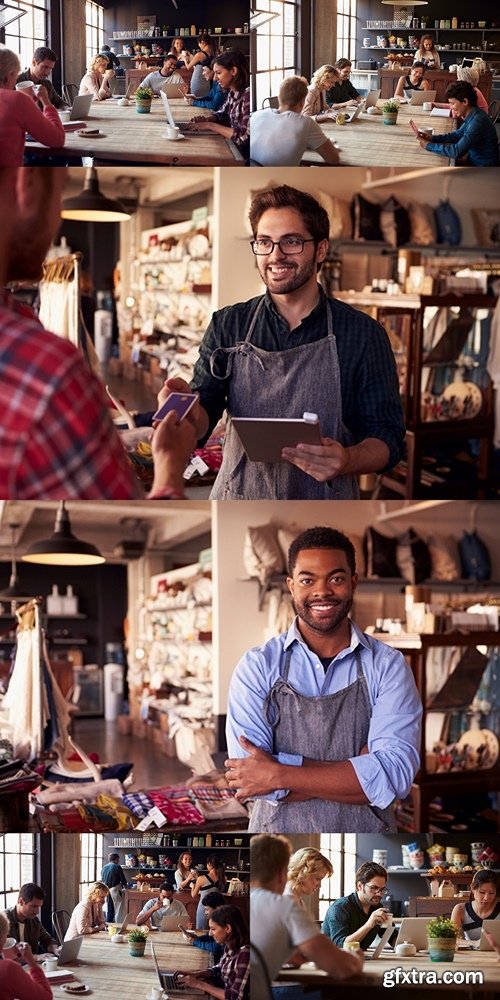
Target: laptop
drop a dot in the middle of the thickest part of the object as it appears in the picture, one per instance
(172, 90)
(170, 982)
(171, 923)
(419, 97)
(81, 107)
(493, 928)
(388, 932)
(414, 929)
(184, 127)
(350, 116)
(371, 99)
(70, 951)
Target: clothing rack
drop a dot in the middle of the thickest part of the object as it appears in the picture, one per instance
(67, 270)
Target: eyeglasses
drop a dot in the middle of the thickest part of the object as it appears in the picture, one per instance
(376, 888)
(288, 245)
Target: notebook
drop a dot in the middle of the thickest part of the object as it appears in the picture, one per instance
(170, 982)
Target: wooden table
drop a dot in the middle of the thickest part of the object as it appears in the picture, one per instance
(112, 974)
(367, 142)
(374, 971)
(438, 80)
(133, 138)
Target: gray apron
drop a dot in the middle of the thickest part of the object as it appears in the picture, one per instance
(325, 727)
(276, 384)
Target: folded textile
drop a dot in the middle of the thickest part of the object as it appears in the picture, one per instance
(84, 792)
(139, 803)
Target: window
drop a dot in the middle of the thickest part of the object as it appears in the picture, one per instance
(94, 29)
(30, 31)
(340, 849)
(347, 25)
(17, 865)
(275, 46)
(91, 854)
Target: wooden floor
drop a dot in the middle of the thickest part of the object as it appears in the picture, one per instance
(151, 767)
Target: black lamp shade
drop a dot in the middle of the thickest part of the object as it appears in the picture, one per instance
(63, 548)
(93, 206)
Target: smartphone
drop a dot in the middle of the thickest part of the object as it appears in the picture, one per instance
(180, 402)
(413, 127)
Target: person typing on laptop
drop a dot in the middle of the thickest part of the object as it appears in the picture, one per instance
(164, 905)
(414, 80)
(360, 916)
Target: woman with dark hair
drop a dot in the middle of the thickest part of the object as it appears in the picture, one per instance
(215, 879)
(482, 905)
(181, 54)
(233, 120)
(207, 49)
(230, 979)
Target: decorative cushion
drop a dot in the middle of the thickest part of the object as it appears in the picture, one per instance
(413, 558)
(262, 555)
(422, 223)
(380, 555)
(394, 222)
(366, 219)
(445, 557)
(487, 226)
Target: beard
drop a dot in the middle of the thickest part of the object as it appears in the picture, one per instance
(295, 276)
(325, 622)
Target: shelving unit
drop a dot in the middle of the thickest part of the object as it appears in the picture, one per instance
(441, 37)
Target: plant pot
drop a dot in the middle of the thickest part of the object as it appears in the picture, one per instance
(390, 117)
(142, 107)
(136, 948)
(441, 949)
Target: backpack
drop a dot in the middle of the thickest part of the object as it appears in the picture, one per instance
(448, 225)
(476, 563)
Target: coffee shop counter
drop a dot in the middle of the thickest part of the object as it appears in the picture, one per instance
(109, 971)
(438, 80)
(135, 899)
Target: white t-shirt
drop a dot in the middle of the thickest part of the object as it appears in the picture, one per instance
(279, 138)
(278, 927)
(156, 81)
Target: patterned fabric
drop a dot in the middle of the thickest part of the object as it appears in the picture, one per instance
(57, 440)
(177, 805)
(236, 113)
(139, 803)
(234, 970)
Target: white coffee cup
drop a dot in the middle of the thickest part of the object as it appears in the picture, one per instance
(25, 85)
(155, 993)
(123, 102)
(427, 106)
(10, 943)
(50, 964)
(117, 938)
(65, 116)
(172, 132)
(387, 922)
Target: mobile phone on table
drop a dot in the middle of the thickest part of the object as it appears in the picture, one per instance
(413, 127)
(180, 402)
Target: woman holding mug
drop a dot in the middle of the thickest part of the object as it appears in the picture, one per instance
(482, 905)
(96, 80)
(87, 917)
(19, 114)
(185, 875)
(428, 53)
(15, 983)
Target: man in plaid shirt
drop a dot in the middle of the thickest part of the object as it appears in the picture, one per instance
(57, 440)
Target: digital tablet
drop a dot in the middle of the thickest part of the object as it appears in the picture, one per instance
(263, 438)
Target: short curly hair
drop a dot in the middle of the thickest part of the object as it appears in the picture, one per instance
(321, 538)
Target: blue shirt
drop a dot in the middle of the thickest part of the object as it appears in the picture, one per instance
(371, 405)
(214, 99)
(476, 139)
(388, 769)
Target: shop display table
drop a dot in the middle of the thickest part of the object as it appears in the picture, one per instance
(129, 137)
(486, 964)
(368, 142)
(109, 971)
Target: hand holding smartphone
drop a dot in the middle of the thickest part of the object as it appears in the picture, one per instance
(180, 402)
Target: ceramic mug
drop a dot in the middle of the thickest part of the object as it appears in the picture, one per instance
(427, 106)
(50, 964)
(27, 86)
(155, 993)
(172, 132)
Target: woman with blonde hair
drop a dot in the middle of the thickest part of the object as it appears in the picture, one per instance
(468, 74)
(96, 79)
(306, 870)
(19, 114)
(315, 105)
(14, 981)
(87, 917)
(427, 53)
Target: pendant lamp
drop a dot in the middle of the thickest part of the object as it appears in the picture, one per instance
(63, 548)
(15, 592)
(93, 206)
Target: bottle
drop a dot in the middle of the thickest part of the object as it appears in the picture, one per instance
(193, 29)
(208, 840)
(454, 23)
(245, 28)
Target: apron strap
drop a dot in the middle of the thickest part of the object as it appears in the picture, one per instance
(229, 352)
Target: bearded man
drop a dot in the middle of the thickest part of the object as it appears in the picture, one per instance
(323, 724)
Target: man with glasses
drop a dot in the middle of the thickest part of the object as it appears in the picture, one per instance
(291, 351)
(360, 916)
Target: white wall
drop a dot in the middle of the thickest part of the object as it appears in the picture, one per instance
(237, 620)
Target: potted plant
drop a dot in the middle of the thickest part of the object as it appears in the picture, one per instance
(390, 112)
(143, 97)
(441, 938)
(137, 943)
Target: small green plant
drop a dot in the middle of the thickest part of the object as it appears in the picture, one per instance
(143, 94)
(390, 107)
(137, 935)
(441, 927)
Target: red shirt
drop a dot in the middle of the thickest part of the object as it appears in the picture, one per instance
(16, 983)
(19, 114)
(57, 440)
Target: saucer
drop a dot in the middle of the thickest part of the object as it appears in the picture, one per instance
(69, 988)
(179, 137)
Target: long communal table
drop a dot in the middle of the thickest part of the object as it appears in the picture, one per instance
(112, 974)
(381, 978)
(367, 142)
(129, 137)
